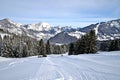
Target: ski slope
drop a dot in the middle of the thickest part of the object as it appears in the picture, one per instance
(102, 66)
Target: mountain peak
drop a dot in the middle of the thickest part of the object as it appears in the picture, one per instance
(41, 26)
(6, 20)
(43, 23)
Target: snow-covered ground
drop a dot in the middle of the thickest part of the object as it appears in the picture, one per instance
(103, 66)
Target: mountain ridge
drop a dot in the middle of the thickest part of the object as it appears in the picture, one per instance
(42, 30)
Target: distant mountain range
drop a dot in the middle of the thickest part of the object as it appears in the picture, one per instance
(38, 31)
(104, 31)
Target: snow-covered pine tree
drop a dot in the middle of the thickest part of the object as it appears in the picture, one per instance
(25, 51)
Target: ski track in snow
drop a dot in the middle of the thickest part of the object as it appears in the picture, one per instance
(56, 67)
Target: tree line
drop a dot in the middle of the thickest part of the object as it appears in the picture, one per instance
(110, 45)
(24, 46)
(86, 44)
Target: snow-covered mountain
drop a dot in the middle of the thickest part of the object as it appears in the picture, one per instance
(42, 30)
(42, 26)
(105, 30)
(8, 26)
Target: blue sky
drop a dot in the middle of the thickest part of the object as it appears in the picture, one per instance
(77, 13)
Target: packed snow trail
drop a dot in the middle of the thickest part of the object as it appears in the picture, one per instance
(103, 66)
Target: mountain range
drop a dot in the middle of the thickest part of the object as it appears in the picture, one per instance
(62, 35)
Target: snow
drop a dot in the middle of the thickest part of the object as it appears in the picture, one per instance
(15, 30)
(103, 66)
(4, 59)
(77, 34)
(58, 44)
(114, 23)
(96, 29)
(3, 34)
(12, 22)
(40, 26)
(43, 36)
(7, 20)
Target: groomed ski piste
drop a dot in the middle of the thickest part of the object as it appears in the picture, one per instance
(102, 66)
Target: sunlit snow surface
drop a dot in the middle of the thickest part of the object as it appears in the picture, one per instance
(103, 66)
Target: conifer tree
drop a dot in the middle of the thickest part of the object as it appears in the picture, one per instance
(92, 42)
(117, 45)
(42, 49)
(18, 50)
(1, 43)
(82, 45)
(87, 44)
(64, 48)
(25, 51)
(104, 46)
(30, 45)
(71, 49)
(114, 45)
(57, 49)
(48, 48)
(0, 39)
